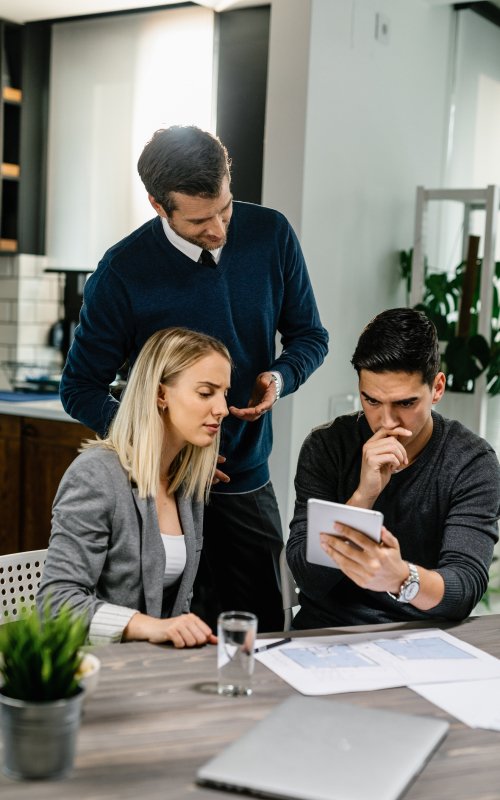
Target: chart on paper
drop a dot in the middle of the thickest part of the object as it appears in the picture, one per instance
(361, 662)
(339, 656)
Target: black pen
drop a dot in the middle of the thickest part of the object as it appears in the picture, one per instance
(273, 644)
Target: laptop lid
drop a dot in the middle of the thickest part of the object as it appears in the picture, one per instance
(321, 749)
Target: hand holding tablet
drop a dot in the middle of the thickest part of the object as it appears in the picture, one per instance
(322, 516)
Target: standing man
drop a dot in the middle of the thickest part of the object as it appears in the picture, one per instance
(437, 484)
(232, 270)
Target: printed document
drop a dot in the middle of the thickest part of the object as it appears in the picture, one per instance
(475, 703)
(365, 661)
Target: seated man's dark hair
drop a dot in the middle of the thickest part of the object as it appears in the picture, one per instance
(399, 340)
(183, 159)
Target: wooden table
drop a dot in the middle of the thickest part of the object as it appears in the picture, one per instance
(155, 718)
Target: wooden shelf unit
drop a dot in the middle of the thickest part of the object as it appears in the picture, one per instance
(10, 129)
(24, 81)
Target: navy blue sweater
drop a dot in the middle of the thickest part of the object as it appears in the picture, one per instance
(260, 286)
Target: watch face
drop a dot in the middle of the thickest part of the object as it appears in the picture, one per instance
(410, 591)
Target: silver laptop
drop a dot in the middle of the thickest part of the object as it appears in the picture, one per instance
(320, 749)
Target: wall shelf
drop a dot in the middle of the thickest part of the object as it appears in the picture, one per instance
(10, 170)
(11, 95)
(8, 246)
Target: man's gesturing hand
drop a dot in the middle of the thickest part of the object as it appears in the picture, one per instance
(262, 399)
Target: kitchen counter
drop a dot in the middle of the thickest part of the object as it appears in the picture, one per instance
(40, 409)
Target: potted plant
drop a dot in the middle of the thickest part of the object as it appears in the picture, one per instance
(40, 698)
(451, 301)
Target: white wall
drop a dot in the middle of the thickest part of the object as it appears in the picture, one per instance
(473, 154)
(478, 57)
(114, 81)
(376, 127)
(283, 176)
(474, 161)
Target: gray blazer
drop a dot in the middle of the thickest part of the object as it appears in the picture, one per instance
(105, 545)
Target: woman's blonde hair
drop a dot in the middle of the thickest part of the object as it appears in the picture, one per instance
(137, 431)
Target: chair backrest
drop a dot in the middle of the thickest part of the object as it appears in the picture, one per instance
(20, 575)
(289, 590)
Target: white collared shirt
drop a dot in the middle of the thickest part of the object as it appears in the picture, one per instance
(192, 251)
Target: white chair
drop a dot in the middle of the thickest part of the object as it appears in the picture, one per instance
(20, 575)
(289, 590)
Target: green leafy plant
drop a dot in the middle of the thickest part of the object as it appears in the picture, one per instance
(493, 374)
(41, 654)
(491, 596)
(488, 599)
(464, 357)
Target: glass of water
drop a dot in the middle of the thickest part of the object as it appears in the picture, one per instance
(236, 632)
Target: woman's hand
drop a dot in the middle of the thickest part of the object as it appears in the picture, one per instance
(187, 630)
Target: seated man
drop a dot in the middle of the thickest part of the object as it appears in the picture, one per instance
(436, 482)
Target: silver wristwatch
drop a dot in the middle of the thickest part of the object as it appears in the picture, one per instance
(278, 385)
(409, 588)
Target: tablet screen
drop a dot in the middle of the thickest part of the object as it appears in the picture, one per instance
(321, 517)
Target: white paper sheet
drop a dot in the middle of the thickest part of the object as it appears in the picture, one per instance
(366, 661)
(475, 703)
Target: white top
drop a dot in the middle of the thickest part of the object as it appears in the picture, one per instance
(175, 553)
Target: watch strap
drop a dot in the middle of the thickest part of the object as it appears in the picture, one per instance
(412, 579)
(278, 384)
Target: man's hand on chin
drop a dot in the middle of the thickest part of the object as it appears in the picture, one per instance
(383, 454)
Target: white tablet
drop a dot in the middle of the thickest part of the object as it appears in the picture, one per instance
(321, 517)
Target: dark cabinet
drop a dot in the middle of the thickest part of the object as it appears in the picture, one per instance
(34, 454)
(10, 471)
(24, 72)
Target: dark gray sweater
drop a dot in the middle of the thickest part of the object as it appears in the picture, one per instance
(442, 508)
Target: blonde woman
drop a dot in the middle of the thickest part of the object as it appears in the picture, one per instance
(127, 518)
